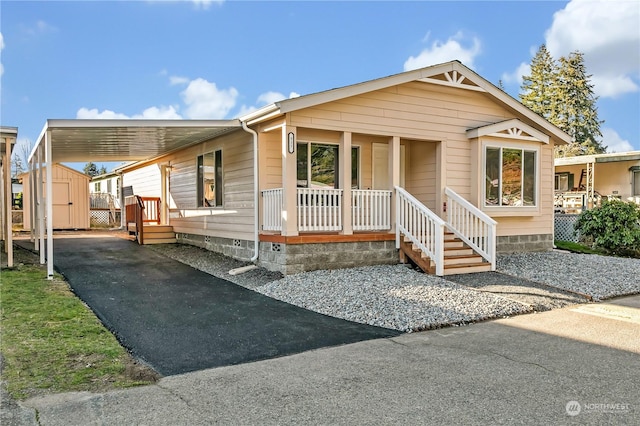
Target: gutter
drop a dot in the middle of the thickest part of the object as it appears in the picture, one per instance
(256, 195)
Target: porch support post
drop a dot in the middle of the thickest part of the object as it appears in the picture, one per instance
(394, 171)
(289, 182)
(345, 182)
(48, 157)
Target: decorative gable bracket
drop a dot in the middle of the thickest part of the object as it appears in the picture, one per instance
(453, 78)
(509, 129)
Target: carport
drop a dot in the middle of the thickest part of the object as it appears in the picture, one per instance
(102, 141)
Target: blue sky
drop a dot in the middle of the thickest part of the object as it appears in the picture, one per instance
(207, 59)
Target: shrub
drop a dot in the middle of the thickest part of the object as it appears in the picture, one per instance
(614, 227)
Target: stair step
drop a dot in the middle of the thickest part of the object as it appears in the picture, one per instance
(467, 268)
(158, 235)
(150, 229)
(458, 251)
(461, 260)
(160, 241)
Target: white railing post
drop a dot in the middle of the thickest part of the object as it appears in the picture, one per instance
(272, 209)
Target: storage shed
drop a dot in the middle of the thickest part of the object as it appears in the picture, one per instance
(70, 198)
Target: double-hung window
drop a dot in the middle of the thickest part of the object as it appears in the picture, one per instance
(510, 177)
(318, 166)
(209, 185)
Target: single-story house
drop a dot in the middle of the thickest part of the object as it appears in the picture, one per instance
(330, 179)
(8, 136)
(70, 201)
(580, 182)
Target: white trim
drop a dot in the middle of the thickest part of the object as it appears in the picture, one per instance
(506, 210)
(514, 129)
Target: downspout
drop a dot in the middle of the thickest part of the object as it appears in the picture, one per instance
(256, 195)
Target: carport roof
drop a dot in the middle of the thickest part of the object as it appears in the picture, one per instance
(126, 140)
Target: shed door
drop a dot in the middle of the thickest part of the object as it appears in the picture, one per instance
(61, 205)
(381, 178)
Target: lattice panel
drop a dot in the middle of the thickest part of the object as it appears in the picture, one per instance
(564, 226)
(104, 217)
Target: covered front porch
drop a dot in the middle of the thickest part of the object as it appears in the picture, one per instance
(370, 197)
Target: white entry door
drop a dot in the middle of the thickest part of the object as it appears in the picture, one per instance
(380, 177)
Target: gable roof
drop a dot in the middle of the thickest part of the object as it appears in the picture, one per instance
(452, 74)
(512, 129)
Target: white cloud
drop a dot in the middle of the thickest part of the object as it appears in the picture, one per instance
(516, 76)
(176, 80)
(270, 98)
(205, 101)
(607, 33)
(458, 47)
(614, 142)
(163, 113)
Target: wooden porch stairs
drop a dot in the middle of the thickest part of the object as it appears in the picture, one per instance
(459, 258)
(154, 234)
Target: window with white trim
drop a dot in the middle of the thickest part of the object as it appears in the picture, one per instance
(510, 177)
(317, 165)
(209, 185)
(636, 183)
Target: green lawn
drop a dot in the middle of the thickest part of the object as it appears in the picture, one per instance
(577, 248)
(51, 342)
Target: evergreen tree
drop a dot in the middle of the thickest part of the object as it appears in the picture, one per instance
(90, 169)
(540, 90)
(563, 94)
(576, 112)
(103, 170)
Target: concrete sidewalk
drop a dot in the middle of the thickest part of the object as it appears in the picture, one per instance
(576, 365)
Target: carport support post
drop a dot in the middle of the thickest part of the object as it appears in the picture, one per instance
(41, 197)
(8, 237)
(32, 203)
(47, 144)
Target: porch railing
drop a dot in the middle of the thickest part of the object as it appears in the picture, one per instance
(423, 227)
(272, 209)
(141, 210)
(472, 226)
(370, 210)
(319, 209)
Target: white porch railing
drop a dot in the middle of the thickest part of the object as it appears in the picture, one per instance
(472, 226)
(272, 209)
(422, 226)
(319, 209)
(370, 210)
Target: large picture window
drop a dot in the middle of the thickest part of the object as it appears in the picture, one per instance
(510, 177)
(209, 185)
(317, 165)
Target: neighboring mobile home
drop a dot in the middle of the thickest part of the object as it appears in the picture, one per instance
(70, 198)
(582, 181)
(437, 162)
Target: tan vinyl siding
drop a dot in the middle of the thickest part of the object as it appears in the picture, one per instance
(431, 119)
(235, 219)
(145, 181)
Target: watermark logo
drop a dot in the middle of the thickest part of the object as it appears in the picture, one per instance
(573, 408)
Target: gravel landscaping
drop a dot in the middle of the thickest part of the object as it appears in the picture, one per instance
(397, 297)
(600, 277)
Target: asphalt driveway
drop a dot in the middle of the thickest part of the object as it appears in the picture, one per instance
(178, 319)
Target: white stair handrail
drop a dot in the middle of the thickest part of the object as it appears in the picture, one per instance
(423, 227)
(472, 226)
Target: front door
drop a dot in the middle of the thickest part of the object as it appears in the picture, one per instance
(381, 178)
(62, 205)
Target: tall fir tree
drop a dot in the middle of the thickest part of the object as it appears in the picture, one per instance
(539, 90)
(562, 93)
(576, 110)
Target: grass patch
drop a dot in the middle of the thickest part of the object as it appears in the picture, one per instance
(52, 342)
(578, 248)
